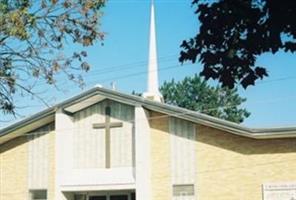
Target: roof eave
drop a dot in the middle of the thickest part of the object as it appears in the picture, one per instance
(193, 116)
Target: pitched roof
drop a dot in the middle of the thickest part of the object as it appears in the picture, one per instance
(97, 94)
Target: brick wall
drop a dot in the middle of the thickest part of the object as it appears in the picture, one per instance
(229, 167)
(160, 158)
(14, 169)
(232, 167)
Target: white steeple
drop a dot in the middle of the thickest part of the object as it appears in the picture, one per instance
(152, 81)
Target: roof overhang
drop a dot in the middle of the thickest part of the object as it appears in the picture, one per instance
(24, 126)
(97, 94)
(83, 103)
(237, 129)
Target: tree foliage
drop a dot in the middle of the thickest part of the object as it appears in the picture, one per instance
(194, 93)
(233, 33)
(33, 35)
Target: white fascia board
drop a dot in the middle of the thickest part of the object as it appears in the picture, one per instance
(84, 103)
(103, 187)
(97, 93)
(22, 127)
(270, 133)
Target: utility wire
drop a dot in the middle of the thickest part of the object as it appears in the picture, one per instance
(160, 69)
(137, 63)
(167, 68)
(172, 67)
(65, 83)
(114, 68)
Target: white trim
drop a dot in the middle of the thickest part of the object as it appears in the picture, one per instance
(143, 164)
(183, 154)
(84, 104)
(107, 194)
(103, 187)
(63, 156)
(97, 176)
(25, 125)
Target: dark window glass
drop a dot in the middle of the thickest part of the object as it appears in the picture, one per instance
(133, 196)
(97, 198)
(79, 197)
(183, 190)
(118, 197)
(38, 194)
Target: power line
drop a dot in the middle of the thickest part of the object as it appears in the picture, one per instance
(167, 68)
(138, 63)
(277, 79)
(172, 67)
(128, 75)
(139, 73)
(117, 68)
(8, 121)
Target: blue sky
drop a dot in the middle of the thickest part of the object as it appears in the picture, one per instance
(123, 59)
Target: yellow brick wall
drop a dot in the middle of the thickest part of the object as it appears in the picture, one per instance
(231, 167)
(160, 158)
(14, 169)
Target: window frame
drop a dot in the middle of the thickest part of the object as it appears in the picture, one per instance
(177, 193)
(31, 194)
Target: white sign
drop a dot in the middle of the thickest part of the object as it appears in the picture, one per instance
(279, 191)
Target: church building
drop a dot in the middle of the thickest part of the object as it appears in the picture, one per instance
(107, 145)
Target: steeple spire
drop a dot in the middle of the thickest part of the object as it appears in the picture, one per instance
(152, 81)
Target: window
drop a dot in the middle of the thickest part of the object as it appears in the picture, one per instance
(98, 198)
(133, 196)
(38, 194)
(119, 197)
(183, 190)
(79, 197)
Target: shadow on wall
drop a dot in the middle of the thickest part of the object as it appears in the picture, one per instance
(12, 144)
(229, 141)
(119, 111)
(244, 145)
(27, 137)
